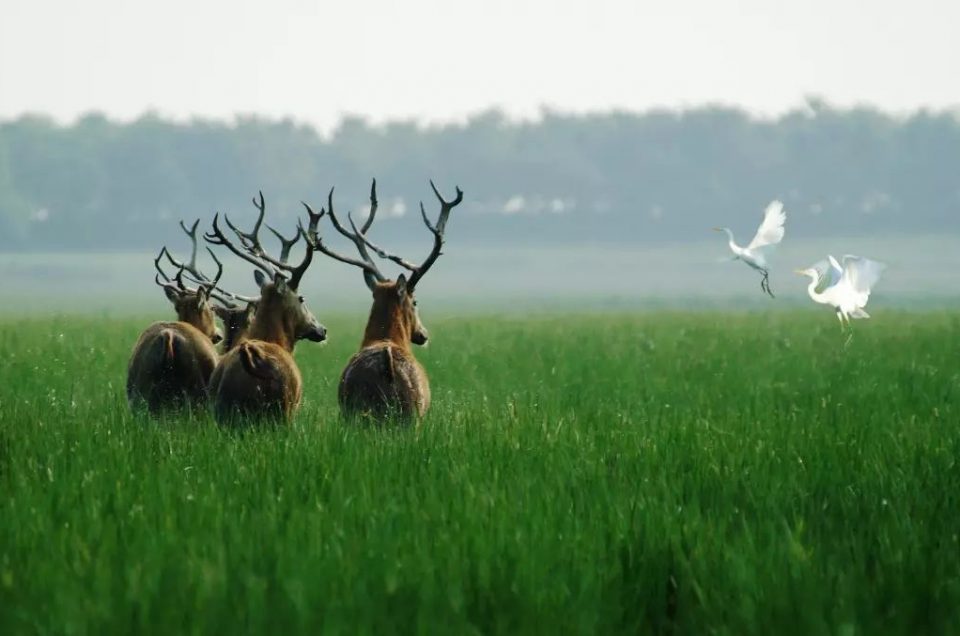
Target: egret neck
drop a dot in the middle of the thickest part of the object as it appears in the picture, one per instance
(733, 246)
(812, 288)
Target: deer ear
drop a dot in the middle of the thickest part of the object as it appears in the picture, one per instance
(251, 309)
(221, 312)
(172, 294)
(401, 286)
(260, 277)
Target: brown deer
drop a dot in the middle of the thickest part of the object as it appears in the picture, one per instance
(172, 361)
(235, 311)
(384, 379)
(237, 321)
(258, 377)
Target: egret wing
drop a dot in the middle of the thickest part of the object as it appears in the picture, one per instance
(835, 271)
(829, 271)
(861, 274)
(771, 229)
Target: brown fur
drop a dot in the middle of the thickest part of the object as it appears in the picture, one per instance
(172, 361)
(258, 378)
(384, 379)
(236, 324)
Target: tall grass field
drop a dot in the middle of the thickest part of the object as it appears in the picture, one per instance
(645, 473)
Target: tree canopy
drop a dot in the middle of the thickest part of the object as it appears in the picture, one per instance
(601, 178)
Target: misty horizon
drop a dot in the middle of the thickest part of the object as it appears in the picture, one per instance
(807, 106)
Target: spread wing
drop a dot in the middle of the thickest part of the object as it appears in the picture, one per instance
(858, 278)
(771, 229)
(830, 272)
(835, 271)
(861, 274)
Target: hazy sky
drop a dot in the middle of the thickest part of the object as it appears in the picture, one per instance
(444, 59)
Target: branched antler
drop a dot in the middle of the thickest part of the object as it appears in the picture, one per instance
(190, 271)
(371, 273)
(251, 240)
(437, 230)
(175, 284)
(382, 253)
(252, 250)
(364, 245)
(216, 237)
(285, 243)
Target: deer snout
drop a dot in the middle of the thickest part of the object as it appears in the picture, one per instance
(217, 337)
(316, 333)
(420, 337)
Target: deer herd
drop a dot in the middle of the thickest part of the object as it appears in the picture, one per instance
(254, 376)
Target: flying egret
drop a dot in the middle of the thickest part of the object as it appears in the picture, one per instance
(768, 236)
(848, 285)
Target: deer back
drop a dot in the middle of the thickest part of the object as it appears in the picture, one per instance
(170, 367)
(384, 381)
(258, 378)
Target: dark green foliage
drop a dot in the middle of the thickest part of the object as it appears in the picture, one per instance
(608, 178)
(712, 473)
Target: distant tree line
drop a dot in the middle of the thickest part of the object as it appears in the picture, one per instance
(614, 177)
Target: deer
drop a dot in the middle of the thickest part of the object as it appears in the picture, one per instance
(237, 320)
(235, 311)
(384, 379)
(258, 378)
(171, 362)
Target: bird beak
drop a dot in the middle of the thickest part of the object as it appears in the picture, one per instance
(716, 229)
(799, 271)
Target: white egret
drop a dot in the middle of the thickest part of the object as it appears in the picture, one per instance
(848, 284)
(768, 236)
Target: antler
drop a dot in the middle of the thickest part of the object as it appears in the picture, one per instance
(296, 273)
(285, 243)
(253, 251)
(191, 267)
(251, 241)
(437, 230)
(417, 271)
(371, 273)
(193, 272)
(176, 284)
(197, 276)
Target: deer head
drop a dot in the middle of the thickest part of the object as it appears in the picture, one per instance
(193, 305)
(281, 314)
(394, 314)
(236, 322)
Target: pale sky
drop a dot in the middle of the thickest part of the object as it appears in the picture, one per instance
(441, 60)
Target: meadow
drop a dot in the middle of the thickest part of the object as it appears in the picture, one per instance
(722, 473)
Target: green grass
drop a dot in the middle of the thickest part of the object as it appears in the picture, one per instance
(693, 473)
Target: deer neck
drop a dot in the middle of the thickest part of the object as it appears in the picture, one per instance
(270, 329)
(233, 339)
(194, 319)
(386, 322)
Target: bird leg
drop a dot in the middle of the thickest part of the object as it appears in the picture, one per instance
(845, 317)
(845, 327)
(765, 283)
